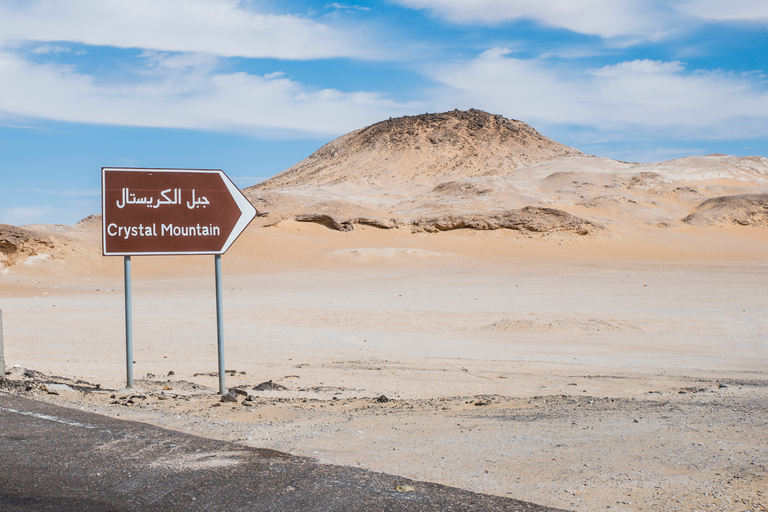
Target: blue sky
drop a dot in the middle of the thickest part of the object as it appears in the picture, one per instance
(255, 86)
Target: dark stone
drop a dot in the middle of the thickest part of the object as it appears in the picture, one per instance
(269, 386)
(230, 396)
(33, 374)
(381, 399)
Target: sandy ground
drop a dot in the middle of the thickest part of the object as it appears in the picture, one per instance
(618, 372)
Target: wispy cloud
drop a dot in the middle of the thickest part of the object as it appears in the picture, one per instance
(47, 49)
(220, 27)
(346, 7)
(186, 92)
(648, 19)
(24, 214)
(733, 10)
(662, 98)
(636, 20)
(180, 61)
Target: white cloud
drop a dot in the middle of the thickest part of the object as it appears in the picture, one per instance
(636, 19)
(346, 7)
(733, 10)
(661, 99)
(185, 92)
(179, 61)
(220, 27)
(47, 49)
(20, 215)
(604, 18)
(639, 67)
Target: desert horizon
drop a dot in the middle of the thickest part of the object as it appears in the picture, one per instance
(452, 298)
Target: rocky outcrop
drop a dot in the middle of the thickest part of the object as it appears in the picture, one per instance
(530, 218)
(18, 243)
(744, 210)
(341, 224)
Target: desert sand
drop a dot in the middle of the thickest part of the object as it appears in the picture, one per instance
(529, 322)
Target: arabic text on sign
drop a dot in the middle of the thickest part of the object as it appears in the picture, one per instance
(130, 198)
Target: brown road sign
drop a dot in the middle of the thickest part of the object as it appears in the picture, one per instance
(170, 211)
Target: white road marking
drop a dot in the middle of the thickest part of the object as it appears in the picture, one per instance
(49, 418)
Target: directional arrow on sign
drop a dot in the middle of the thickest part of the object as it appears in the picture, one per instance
(170, 211)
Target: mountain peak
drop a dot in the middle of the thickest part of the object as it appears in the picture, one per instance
(424, 150)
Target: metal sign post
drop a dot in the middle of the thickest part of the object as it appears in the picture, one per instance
(128, 323)
(220, 324)
(170, 212)
(2, 356)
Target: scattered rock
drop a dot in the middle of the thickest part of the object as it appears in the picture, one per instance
(49, 391)
(381, 399)
(55, 389)
(33, 374)
(456, 187)
(216, 374)
(269, 386)
(229, 396)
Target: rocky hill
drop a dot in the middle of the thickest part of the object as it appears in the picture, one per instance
(474, 170)
(420, 151)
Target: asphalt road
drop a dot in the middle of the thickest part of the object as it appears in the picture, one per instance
(59, 459)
